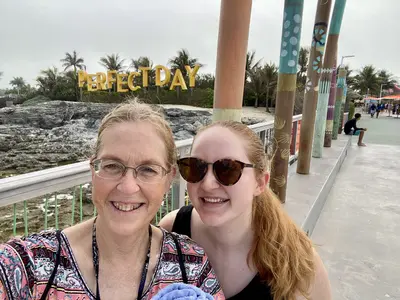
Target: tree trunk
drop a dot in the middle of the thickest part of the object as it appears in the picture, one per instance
(256, 102)
(267, 100)
(76, 85)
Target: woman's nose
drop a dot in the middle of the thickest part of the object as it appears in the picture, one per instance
(209, 181)
(128, 184)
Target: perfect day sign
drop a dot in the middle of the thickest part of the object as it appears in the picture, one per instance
(125, 82)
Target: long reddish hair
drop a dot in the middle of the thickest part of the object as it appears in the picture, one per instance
(281, 251)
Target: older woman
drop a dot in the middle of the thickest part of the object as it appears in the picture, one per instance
(241, 224)
(119, 254)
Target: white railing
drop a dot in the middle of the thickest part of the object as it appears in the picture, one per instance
(19, 195)
(35, 184)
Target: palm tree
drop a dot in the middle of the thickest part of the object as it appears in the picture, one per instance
(256, 83)
(350, 80)
(386, 79)
(303, 65)
(18, 83)
(48, 81)
(251, 64)
(367, 81)
(271, 80)
(144, 61)
(72, 60)
(112, 62)
(180, 61)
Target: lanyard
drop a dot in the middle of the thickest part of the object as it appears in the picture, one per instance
(95, 250)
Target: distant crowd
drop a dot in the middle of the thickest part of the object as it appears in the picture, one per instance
(375, 109)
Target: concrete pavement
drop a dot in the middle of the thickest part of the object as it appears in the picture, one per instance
(358, 231)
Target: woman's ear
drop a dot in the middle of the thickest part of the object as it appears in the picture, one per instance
(91, 166)
(262, 182)
(171, 176)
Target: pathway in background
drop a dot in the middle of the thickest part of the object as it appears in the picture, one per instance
(384, 130)
(358, 232)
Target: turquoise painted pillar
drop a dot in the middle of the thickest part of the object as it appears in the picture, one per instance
(339, 104)
(319, 36)
(286, 90)
(326, 77)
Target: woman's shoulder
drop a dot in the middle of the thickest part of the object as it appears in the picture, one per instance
(31, 245)
(20, 259)
(178, 220)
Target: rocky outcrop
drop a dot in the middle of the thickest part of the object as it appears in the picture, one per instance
(58, 132)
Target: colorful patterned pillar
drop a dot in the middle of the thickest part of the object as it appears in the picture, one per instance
(319, 35)
(326, 77)
(345, 107)
(234, 24)
(287, 79)
(339, 104)
(331, 109)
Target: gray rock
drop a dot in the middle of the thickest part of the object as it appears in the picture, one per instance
(58, 132)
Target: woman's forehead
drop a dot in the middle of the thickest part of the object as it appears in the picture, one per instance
(219, 141)
(137, 141)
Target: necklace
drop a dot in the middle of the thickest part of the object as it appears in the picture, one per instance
(95, 250)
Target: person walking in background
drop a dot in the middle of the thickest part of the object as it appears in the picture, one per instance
(372, 110)
(378, 110)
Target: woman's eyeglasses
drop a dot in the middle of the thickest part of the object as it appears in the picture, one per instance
(111, 169)
(226, 171)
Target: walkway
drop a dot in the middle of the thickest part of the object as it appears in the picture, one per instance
(358, 232)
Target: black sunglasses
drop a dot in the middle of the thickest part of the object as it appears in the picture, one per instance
(226, 171)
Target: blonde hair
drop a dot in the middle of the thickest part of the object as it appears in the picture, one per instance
(281, 251)
(136, 111)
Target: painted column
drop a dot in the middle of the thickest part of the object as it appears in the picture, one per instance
(345, 108)
(319, 35)
(339, 104)
(233, 36)
(326, 77)
(331, 108)
(287, 79)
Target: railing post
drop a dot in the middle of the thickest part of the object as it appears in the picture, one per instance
(294, 139)
(263, 137)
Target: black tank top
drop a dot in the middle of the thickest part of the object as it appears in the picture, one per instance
(254, 290)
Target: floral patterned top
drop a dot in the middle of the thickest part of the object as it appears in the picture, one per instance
(26, 265)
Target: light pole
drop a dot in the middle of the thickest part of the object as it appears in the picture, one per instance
(380, 93)
(343, 57)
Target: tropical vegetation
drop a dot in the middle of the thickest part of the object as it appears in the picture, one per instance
(259, 84)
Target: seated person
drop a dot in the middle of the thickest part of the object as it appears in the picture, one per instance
(118, 254)
(350, 128)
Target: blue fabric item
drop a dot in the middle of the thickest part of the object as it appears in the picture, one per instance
(181, 291)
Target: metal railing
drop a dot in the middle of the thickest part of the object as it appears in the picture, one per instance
(60, 196)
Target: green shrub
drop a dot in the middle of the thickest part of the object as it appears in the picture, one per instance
(197, 97)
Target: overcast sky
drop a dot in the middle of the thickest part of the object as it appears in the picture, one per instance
(35, 34)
